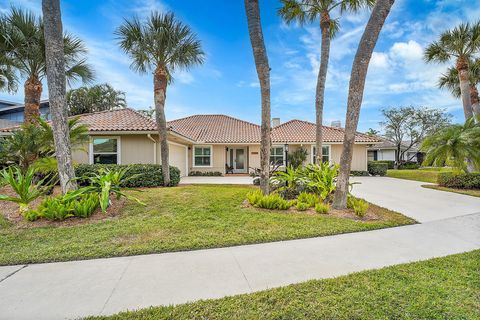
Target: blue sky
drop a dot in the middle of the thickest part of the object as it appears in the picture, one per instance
(227, 82)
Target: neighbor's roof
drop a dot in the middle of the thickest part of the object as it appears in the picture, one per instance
(387, 144)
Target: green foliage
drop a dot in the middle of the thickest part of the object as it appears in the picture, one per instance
(253, 197)
(302, 206)
(206, 174)
(308, 198)
(358, 173)
(321, 178)
(58, 208)
(271, 201)
(360, 206)
(377, 169)
(459, 180)
(409, 166)
(23, 185)
(289, 181)
(145, 175)
(322, 208)
(85, 205)
(390, 163)
(298, 157)
(100, 97)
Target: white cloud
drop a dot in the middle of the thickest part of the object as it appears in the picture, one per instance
(379, 60)
(406, 51)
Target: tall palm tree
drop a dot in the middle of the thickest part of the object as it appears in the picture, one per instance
(355, 95)
(96, 98)
(449, 81)
(263, 71)
(456, 145)
(308, 11)
(461, 43)
(161, 44)
(56, 79)
(22, 46)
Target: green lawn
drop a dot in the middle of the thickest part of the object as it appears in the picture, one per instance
(442, 288)
(180, 218)
(468, 192)
(425, 174)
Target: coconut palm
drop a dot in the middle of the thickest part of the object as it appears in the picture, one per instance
(461, 43)
(355, 95)
(161, 44)
(449, 81)
(263, 71)
(22, 46)
(308, 11)
(456, 145)
(96, 98)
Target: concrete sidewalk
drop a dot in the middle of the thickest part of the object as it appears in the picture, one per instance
(106, 286)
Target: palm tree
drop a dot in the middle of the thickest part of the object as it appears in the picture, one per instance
(460, 43)
(355, 95)
(161, 44)
(22, 46)
(449, 80)
(96, 98)
(55, 69)
(456, 145)
(263, 71)
(308, 11)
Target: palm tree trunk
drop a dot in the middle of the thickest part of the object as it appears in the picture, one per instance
(475, 101)
(160, 80)
(355, 95)
(57, 92)
(33, 92)
(263, 72)
(462, 68)
(321, 79)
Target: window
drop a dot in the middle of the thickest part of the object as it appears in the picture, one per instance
(105, 150)
(325, 153)
(277, 155)
(202, 156)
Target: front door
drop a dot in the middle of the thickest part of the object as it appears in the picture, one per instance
(237, 160)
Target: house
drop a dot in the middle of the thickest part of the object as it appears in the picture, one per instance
(11, 113)
(206, 142)
(386, 150)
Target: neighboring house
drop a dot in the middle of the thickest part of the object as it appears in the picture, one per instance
(11, 113)
(205, 142)
(386, 150)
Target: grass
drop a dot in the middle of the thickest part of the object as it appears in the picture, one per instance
(422, 174)
(175, 219)
(468, 192)
(442, 288)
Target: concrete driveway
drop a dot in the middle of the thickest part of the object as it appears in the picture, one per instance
(411, 199)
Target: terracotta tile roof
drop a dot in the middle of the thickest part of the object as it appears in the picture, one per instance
(118, 120)
(304, 131)
(216, 129)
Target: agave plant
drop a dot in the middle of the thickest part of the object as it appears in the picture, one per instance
(24, 186)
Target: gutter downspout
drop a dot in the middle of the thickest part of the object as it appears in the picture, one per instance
(149, 136)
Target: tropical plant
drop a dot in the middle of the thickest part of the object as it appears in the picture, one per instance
(100, 97)
(450, 81)
(263, 72)
(23, 185)
(22, 48)
(309, 198)
(289, 182)
(453, 146)
(161, 44)
(298, 157)
(254, 196)
(460, 43)
(302, 206)
(273, 201)
(8, 78)
(359, 206)
(320, 178)
(355, 95)
(322, 208)
(309, 11)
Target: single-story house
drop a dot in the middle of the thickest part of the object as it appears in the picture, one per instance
(386, 150)
(206, 142)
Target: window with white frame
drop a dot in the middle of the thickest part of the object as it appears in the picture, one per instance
(202, 156)
(105, 150)
(277, 155)
(325, 153)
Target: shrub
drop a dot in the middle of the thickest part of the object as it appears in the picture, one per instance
(308, 198)
(254, 197)
(377, 169)
(272, 201)
(302, 206)
(298, 157)
(359, 173)
(360, 206)
(390, 163)
(321, 178)
(322, 208)
(86, 205)
(459, 180)
(146, 175)
(55, 208)
(206, 174)
(289, 182)
(409, 165)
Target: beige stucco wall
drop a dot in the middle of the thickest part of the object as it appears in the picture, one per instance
(359, 159)
(218, 159)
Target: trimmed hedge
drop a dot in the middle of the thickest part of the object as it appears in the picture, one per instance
(356, 173)
(459, 180)
(408, 165)
(377, 169)
(149, 175)
(205, 174)
(390, 163)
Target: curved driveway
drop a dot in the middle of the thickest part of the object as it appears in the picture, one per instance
(411, 199)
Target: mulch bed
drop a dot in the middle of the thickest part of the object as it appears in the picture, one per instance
(10, 211)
